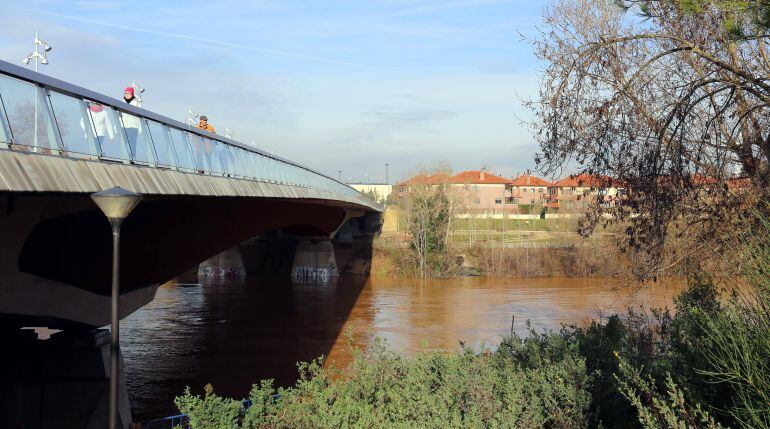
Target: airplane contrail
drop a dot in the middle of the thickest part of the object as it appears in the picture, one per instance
(205, 40)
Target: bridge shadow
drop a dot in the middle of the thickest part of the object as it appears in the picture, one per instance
(230, 334)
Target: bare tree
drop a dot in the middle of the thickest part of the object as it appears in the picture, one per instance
(669, 100)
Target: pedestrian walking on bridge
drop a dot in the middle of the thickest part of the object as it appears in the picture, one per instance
(204, 125)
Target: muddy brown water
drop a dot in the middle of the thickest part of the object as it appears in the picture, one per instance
(234, 333)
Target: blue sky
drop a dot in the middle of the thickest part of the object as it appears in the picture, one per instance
(336, 85)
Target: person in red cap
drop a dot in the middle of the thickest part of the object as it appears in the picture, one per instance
(129, 97)
(131, 123)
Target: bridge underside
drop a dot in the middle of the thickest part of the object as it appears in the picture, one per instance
(56, 254)
(55, 258)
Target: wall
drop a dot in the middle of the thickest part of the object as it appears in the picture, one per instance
(383, 191)
(481, 196)
(524, 194)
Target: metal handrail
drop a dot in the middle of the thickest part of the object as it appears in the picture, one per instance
(47, 82)
(182, 420)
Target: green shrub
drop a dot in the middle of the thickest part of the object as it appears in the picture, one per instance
(658, 410)
(533, 383)
(210, 411)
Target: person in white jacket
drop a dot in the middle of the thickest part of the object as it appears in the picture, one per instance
(101, 122)
(130, 122)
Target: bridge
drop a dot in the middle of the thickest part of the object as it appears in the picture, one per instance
(203, 194)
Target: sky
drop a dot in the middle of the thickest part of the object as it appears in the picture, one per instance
(334, 85)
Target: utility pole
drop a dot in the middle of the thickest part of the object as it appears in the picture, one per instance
(386, 174)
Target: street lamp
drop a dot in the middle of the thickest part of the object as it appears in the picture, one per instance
(138, 90)
(39, 54)
(116, 204)
(386, 174)
(191, 117)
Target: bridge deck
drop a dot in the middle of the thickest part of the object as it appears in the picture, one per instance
(57, 137)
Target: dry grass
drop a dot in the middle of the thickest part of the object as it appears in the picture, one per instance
(588, 260)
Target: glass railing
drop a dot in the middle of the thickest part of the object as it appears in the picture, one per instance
(40, 114)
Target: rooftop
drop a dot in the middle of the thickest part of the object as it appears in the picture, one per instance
(530, 180)
(584, 180)
(476, 177)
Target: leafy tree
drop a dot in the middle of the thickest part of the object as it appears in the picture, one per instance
(429, 209)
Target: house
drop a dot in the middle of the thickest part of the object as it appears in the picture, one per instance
(481, 189)
(419, 180)
(529, 189)
(579, 190)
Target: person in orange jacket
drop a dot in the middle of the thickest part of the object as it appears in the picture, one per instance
(204, 125)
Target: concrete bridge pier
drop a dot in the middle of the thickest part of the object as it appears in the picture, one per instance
(61, 383)
(314, 261)
(309, 255)
(228, 264)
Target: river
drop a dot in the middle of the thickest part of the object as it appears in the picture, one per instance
(234, 333)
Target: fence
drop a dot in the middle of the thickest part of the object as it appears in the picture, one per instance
(181, 421)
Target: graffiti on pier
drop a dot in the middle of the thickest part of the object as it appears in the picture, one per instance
(313, 274)
(221, 272)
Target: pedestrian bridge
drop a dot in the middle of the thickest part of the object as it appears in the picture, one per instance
(203, 193)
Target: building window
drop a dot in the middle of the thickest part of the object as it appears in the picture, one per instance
(478, 201)
(541, 190)
(498, 201)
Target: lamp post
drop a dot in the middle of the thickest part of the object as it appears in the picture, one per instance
(40, 57)
(191, 117)
(138, 90)
(386, 174)
(116, 204)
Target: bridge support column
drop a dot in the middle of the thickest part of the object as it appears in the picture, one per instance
(314, 261)
(228, 264)
(61, 383)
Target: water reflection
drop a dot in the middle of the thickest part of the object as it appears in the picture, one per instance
(229, 334)
(234, 334)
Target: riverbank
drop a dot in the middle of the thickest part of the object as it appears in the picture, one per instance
(569, 256)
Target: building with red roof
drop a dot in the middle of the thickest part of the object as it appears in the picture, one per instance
(529, 189)
(578, 190)
(480, 189)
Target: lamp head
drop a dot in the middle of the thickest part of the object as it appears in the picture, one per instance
(44, 60)
(26, 60)
(116, 203)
